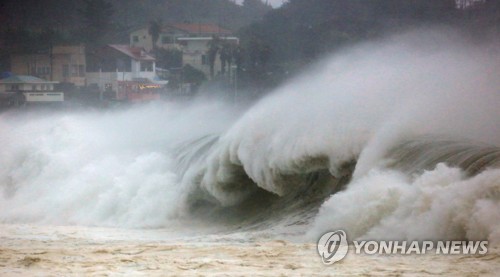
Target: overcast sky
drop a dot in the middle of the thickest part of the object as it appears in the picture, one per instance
(274, 3)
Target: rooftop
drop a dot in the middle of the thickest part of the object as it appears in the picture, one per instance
(207, 38)
(23, 79)
(201, 28)
(135, 53)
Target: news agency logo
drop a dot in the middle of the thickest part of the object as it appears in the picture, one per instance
(333, 247)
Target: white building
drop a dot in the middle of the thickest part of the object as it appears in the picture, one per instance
(170, 33)
(194, 52)
(191, 38)
(113, 63)
(17, 89)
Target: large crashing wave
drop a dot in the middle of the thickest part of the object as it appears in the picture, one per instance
(400, 137)
(430, 190)
(394, 109)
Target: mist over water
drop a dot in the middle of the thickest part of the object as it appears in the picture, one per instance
(334, 128)
(110, 168)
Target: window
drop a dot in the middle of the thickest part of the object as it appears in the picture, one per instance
(146, 66)
(65, 71)
(81, 70)
(120, 65)
(33, 87)
(42, 70)
(74, 70)
(204, 60)
(135, 38)
(166, 40)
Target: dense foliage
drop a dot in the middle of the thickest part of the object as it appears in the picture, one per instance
(302, 30)
(274, 43)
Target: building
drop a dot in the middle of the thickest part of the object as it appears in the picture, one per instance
(38, 65)
(192, 39)
(138, 90)
(167, 38)
(19, 89)
(69, 64)
(63, 64)
(171, 32)
(194, 52)
(115, 68)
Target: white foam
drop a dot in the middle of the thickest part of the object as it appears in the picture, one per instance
(441, 203)
(99, 168)
(361, 103)
(116, 168)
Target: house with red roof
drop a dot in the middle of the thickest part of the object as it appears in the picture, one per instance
(171, 32)
(193, 39)
(121, 70)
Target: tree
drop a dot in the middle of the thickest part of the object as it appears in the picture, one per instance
(192, 75)
(481, 17)
(226, 56)
(154, 31)
(213, 49)
(255, 9)
(168, 58)
(238, 56)
(97, 19)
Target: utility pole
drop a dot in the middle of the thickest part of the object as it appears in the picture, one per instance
(234, 69)
(51, 57)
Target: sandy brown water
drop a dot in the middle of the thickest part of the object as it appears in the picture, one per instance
(27, 250)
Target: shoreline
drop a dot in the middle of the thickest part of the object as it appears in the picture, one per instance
(49, 250)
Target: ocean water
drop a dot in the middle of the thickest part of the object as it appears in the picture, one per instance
(393, 139)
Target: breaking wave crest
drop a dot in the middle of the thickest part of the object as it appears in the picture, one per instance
(393, 139)
(429, 189)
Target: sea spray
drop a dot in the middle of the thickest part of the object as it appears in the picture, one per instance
(329, 134)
